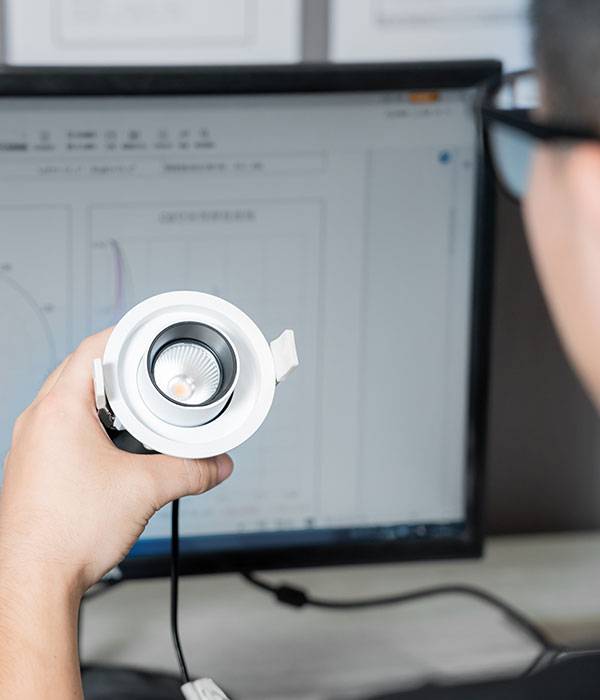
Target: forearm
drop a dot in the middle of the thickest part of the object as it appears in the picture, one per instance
(38, 633)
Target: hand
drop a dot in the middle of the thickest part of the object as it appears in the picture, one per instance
(73, 504)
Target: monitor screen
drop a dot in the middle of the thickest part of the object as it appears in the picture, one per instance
(349, 216)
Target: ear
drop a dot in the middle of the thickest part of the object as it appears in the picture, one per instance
(582, 181)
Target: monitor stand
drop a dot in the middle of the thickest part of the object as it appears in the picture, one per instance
(115, 683)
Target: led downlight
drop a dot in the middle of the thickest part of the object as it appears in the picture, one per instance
(188, 374)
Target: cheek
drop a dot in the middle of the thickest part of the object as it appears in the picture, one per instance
(566, 255)
(545, 215)
(549, 234)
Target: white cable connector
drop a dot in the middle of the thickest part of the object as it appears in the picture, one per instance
(203, 689)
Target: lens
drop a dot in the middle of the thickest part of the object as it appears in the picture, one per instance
(513, 152)
(187, 372)
(512, 148)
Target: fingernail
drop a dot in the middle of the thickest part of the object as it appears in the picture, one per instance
(224, 467)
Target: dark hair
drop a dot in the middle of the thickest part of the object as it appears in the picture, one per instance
(567, 52)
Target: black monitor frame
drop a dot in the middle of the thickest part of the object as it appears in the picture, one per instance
(317, 78)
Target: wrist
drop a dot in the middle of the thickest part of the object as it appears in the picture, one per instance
(40, 578)
(38, 613)
(35, 563)
(38, 585)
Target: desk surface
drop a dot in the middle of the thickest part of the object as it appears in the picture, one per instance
(263, 651)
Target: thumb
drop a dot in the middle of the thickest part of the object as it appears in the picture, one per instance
(173, 478)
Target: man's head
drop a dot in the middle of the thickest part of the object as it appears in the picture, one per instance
(567, 52)
(562, 206)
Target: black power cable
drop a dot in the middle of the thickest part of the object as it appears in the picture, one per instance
(299, 598)
(185, 677)
(546, 658)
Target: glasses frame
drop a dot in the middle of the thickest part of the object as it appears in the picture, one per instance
(552, 133)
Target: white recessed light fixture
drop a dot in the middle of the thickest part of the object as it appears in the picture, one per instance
(188, 374)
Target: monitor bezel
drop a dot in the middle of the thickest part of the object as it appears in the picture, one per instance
(33, 82)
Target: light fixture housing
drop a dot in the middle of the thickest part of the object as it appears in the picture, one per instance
(189, 375)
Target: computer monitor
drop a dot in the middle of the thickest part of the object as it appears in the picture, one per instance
(343, 202)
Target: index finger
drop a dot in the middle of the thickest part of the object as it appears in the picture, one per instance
(50, 381)
(77, 373)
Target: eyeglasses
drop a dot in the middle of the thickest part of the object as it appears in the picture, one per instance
(512, 131)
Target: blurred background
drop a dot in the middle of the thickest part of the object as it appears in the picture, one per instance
(544, 436)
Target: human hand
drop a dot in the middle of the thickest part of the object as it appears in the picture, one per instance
(73, 504)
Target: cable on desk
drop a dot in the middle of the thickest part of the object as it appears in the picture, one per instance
(298, 598)
(185, 677)
(543, 660)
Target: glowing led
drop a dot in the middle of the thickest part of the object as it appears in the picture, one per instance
(187, 372)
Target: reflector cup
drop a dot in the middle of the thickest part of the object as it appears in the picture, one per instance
(187, 373)
(192, 364)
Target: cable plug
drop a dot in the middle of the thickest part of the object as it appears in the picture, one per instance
(292, 596)
(203, 689)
